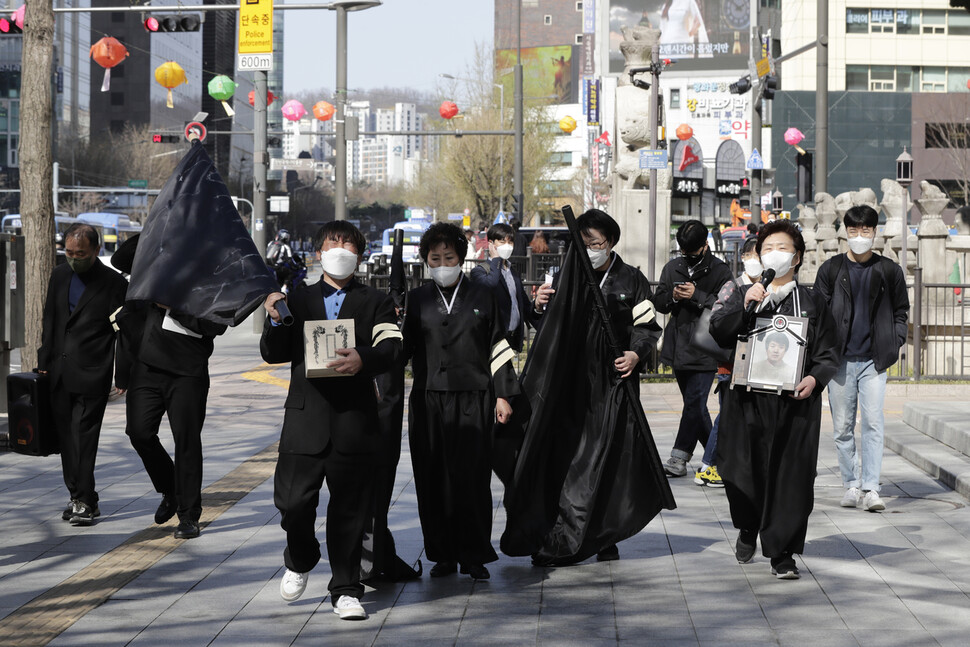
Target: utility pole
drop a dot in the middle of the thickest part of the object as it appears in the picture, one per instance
(756, 112)
(517, 171)
(652, 113)
(822, 99)
(260, 163)
(340, 165)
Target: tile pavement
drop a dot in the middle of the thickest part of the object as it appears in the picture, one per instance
(897, 578)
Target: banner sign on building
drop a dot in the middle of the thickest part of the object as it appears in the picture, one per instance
(593, 102)
(589, 17)
(589, 55)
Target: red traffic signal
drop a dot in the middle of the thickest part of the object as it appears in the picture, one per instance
(151, 23)
(187, 22)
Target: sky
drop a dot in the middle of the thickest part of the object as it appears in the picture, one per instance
(402, 43)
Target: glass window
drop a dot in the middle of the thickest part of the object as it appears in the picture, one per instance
(856, 77)
(882, 73)
(957, 78)
(674, 98)
(959, 24)
(907, 21)
(907, 79)
(934, 21)
(933, 79)
(881, 20)
(856, 21)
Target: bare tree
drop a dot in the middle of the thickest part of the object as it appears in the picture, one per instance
(36, 170)
(951, 136)
(113, 158)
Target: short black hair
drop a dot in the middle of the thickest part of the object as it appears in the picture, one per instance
(692, 235)
(601, 222)
(783, 226)
(752, 229)
(861, 216)
(779, 338)
(342, 231)
(85, 231)
(750, 244)
(447, 233)
(500, 231)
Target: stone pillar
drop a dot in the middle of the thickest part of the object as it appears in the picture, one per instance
(808, 223)
(826, 236)
(894, 200)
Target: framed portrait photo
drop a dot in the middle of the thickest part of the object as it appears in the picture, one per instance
(772, 359)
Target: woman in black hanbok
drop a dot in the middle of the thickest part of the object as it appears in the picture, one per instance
(767, 448)
(463, 376)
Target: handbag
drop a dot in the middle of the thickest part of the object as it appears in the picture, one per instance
(703, 340)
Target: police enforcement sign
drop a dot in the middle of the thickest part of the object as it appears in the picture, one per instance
(255, 35)
(755, 161)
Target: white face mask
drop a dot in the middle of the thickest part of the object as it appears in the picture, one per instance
(598, 257)
(752, 267)
(860, 244)
(338, 263)
(778, 261)
(444, 275)
(504, 251)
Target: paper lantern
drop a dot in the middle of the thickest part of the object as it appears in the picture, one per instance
(293, 110)
(18, 16)
(323, 110)
(448, 109)
(221, 88)
(684, 132)
(107, 53)
(567, 124)
(792, 137)
(169, 75)
(270, 97)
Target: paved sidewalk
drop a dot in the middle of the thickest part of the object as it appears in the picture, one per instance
(897, 578)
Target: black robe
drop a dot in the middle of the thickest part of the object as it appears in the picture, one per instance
(587, 475)
(461, 363)
(767, 444)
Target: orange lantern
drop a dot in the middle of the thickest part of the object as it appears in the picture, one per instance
(684, 132)
(448, 109)
(169, 75)
(107, 53)
(270, 97)
(323, 110)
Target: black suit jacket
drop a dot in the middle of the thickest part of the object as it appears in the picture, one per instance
(490, 276)
(341, 410)
(78, 348)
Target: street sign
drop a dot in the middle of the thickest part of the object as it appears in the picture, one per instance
(197, 128)
(137, 184)
(764, 67)
(255, 35)
(755, 161)
(300, 164)
(456, 216)
(466, 221)
(279, 203)
(653, 159)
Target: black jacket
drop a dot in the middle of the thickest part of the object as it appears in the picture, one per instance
(342, 410)
(78, 348)
(490, 275)
(708, 277)
(888, 305)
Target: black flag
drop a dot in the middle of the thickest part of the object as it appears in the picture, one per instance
(194, 254)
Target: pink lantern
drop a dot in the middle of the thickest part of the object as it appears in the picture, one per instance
(448, 109)
(18, 16)
(792, 137)
(293, 110)
(684, 132)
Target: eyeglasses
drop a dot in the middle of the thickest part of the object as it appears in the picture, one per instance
(856, 231)
(602, 244)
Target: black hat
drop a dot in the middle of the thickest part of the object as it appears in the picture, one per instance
(124, 257)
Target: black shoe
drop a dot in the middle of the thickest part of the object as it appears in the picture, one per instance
(476, 571)
(84, 514)
(69, 510)
(188, 529)
(744, 547)
(610, 554)
(783, 567)
(443, 568)
(166, 509)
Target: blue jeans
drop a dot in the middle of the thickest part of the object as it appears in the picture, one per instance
(695, 420)
(711, 445)
(858, 386)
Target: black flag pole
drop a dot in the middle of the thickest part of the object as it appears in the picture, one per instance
(397, 286)
(628, 386)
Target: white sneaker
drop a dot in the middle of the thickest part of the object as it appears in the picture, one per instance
(293, 585)
(852, 497)
(872, 502)
(349, 608)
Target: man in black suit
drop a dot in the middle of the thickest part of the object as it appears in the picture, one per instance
(78, 351)
(330, 426)
(515, 307)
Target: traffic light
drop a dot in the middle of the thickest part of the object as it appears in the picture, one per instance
(743, 85)
(187, 22)
(771, 84)
(803, 184)
(160, 138)
(8, 26)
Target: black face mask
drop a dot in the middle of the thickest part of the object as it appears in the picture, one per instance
(693, 259)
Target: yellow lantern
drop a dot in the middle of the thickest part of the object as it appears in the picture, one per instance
(567, 124)
(169, 75)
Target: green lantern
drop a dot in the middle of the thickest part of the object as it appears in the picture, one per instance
(221, 88)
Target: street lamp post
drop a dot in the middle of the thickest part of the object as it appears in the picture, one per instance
(904, 176)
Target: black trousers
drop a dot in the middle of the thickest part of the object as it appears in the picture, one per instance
(153, 393)
(296, 493)
(695, 419)
(451, 452)
(78, 420)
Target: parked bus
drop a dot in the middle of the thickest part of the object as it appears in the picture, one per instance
(116, 228)
(12, 224)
